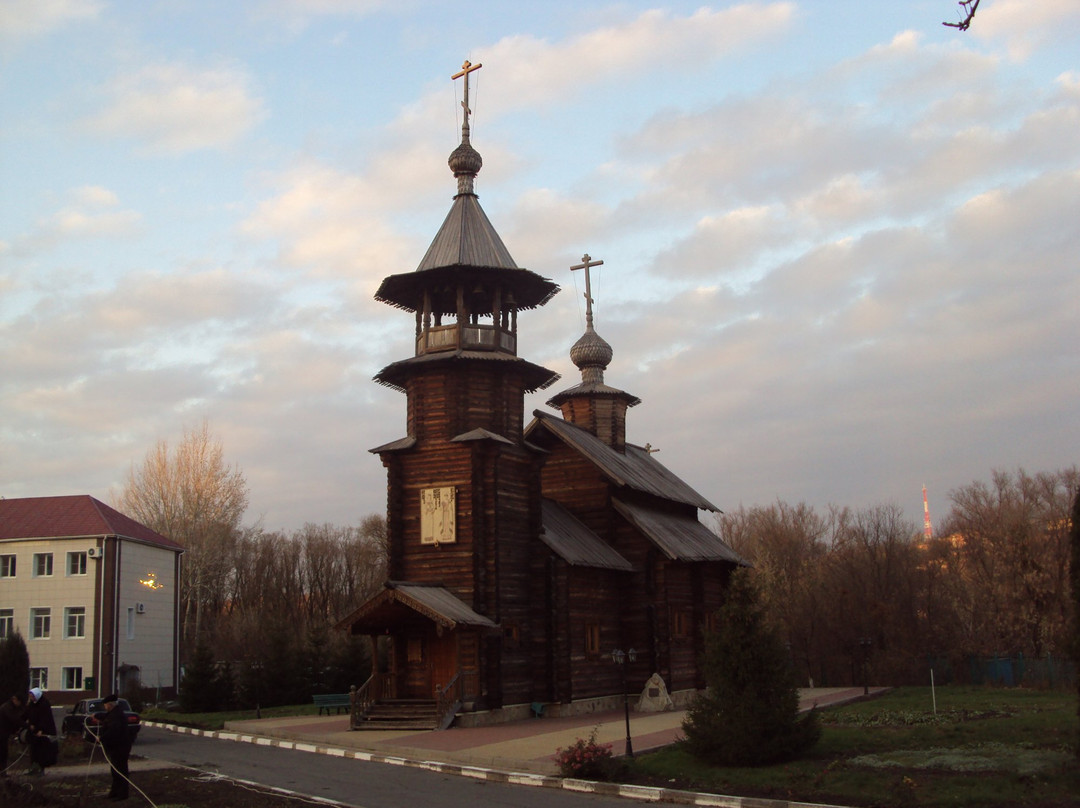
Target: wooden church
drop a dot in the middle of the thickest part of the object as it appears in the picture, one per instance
(521, 556)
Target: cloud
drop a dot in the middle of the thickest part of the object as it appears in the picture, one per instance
(1026, 25)
(333, 223)
(22, 20)
(623, 50)
(174, 109)
(93, 213)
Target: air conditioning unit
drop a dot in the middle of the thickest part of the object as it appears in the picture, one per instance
(94, 552)
(140, 608)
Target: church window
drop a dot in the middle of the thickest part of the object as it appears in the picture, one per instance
(592, 639)
(680, 623)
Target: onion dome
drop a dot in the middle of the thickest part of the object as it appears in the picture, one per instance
(592, 354)
(465, 162)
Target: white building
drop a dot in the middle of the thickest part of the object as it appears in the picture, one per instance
(94, 593)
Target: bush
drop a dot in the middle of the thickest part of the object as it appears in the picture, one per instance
(14, 667)
(749, 713)
(585, 758)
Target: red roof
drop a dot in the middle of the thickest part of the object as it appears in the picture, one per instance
(70, 517)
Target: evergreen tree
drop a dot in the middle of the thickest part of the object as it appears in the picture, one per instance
(199, 687)
(749, 713)
(14, 667)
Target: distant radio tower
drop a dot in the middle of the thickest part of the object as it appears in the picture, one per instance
(928, 531)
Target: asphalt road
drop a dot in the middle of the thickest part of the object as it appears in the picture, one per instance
(356, 783)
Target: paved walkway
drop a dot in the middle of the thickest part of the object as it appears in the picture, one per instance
(521, 746)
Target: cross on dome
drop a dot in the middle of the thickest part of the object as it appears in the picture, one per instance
(467, 67)
(587, 263)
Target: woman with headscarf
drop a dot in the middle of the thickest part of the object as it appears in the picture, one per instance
(39, 718)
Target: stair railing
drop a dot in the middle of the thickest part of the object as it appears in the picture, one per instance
(363, 697)
(447, 702)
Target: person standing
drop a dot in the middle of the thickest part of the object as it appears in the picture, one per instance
(42, 738)
(116, 741)
(11, 720)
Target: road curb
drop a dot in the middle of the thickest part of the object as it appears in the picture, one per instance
(640, 793)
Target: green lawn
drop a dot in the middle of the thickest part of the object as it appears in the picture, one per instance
(217, 720)
(986, 747)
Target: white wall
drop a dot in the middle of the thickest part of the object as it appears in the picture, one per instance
(151, 644)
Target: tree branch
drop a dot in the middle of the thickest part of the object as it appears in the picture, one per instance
(970, 7)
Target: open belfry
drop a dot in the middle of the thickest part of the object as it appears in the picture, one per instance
(521, 556)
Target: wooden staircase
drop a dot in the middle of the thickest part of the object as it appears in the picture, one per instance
(419, 714)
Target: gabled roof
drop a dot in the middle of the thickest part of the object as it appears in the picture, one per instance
(434, 603)
(69, 517)
(679, 537)
(574, 543)
(636, 469)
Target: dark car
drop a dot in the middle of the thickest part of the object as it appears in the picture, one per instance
(87, 715)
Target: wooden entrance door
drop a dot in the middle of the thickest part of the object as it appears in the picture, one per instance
(430, 662)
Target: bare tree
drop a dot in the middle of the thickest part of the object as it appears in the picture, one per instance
(967, 15)
(189, 494)
(1010, 557)
(786, 545)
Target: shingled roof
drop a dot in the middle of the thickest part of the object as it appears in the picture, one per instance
(680, 537)
(434, 603)
(636, 469)
(70, 517)
(574, 543)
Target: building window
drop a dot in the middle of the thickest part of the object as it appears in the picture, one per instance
(73, 679)
(131, 623)
(7, 566)
(592, 639)
(75, 622)
(7, 623)
(680, 623)
(77, 563)
(42, 565)
(39, 677)
(40, 624)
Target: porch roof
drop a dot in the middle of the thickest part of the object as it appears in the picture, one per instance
(402, 603)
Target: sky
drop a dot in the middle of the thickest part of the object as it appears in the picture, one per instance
(840, 239)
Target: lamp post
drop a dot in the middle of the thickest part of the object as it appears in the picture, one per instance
(624, 658)
(864, 644)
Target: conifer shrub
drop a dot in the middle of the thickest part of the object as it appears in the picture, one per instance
(749, 712)
(199, 689)
(14, 667)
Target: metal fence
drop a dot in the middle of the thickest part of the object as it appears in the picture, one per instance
(1049, 672)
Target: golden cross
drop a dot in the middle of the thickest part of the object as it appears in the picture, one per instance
(586, 264)
(467, 67)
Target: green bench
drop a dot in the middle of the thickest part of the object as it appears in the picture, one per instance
(324, 701)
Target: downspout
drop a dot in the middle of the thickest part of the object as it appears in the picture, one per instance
(176, 622)
(116, 612)
(100, 620)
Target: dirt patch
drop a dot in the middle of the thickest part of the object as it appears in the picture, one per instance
(167, 788)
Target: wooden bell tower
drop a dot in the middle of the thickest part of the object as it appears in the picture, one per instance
(463, 501)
